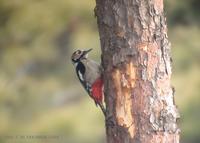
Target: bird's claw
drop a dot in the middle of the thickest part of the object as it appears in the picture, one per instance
(109, 121)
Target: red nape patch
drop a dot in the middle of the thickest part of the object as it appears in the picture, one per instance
(97, 90)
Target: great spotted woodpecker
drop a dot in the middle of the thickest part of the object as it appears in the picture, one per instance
(90, 75)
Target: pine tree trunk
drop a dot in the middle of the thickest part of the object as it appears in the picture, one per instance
(137, 71)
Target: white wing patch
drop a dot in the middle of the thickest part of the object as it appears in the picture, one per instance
(80, 76)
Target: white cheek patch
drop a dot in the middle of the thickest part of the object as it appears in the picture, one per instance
(86, 56)
(80, 76)
(76, 64)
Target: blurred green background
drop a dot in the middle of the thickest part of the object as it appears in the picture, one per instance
(39, 91)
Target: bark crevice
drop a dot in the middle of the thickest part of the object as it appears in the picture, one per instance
(137, 69)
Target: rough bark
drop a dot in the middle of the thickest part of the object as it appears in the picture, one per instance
(137, 71)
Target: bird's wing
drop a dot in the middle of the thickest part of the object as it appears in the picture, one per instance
(80, 70)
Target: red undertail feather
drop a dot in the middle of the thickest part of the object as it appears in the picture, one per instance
(97, 90)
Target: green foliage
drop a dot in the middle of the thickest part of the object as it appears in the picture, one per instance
(184, 12)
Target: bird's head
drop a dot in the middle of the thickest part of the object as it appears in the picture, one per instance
(79, 55)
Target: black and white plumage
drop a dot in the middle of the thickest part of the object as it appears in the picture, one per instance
(90, 75)
(87, 70)
(80, 71)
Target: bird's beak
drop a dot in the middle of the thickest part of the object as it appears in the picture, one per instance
(87, 51)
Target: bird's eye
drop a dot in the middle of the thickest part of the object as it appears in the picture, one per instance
(79, 52)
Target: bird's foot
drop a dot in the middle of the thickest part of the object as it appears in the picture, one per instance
(110, 121)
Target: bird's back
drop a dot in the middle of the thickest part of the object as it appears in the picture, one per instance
(92, 70)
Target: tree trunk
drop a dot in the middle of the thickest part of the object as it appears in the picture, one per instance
(137, 71)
